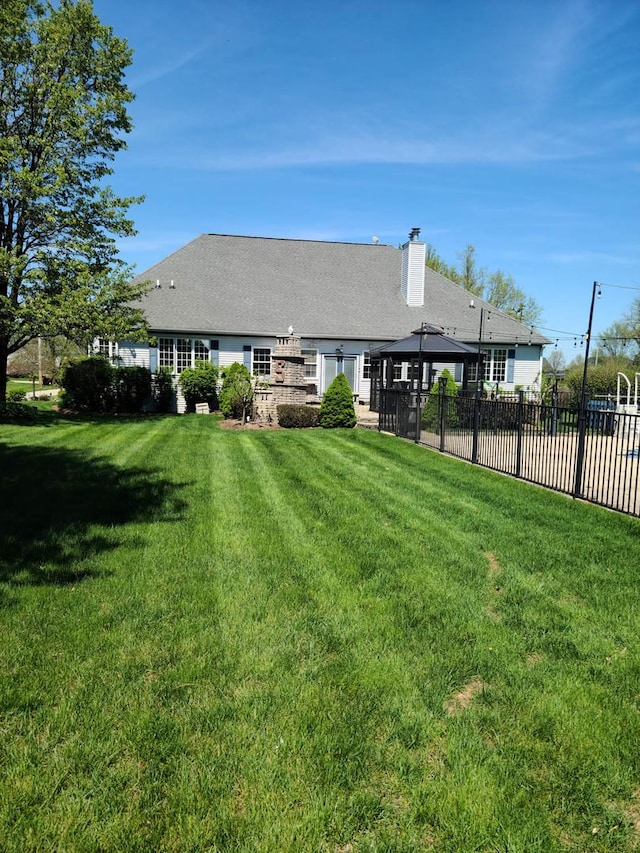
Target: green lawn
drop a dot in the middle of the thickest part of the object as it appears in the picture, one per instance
(307, 641)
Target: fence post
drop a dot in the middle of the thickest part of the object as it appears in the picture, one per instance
(553, 426)
(476, 426)
(582, 434)
(444, 402)
(519, 442)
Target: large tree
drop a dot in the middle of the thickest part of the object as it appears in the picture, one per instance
(63, 117)
(619, 339)
(502, 291)
(497, 287)
(470, 276)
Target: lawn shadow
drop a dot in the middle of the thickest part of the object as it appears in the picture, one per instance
(54, 503)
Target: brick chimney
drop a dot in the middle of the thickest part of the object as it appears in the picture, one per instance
(414, 255)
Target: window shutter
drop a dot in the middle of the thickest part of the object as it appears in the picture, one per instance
(511, 359)
(153, 359)
(246, 349)
(214, 352)
(458, 373)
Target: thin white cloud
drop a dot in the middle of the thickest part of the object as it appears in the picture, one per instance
(554, 49)
(169, 65)
(375, 148)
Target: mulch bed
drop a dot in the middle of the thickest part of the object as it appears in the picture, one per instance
(234, 423)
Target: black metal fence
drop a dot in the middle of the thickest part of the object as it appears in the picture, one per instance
(592, 454)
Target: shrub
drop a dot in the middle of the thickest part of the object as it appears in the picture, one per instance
(89, 384)
(291, 416)
(602, 379)
(133, 388)
(200, 385)
(336, 409)
(431, 410)
(236, 394)
(163, 390)
(16, 396)
(11, 412)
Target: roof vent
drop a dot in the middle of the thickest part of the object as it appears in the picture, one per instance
(172, 285)
(157, 284)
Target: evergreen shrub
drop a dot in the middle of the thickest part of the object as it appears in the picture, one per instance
(94, 385)
(89, 385)
(163, 390)
(431, 410)
(297, 417)
(336, 409)
(133, 388)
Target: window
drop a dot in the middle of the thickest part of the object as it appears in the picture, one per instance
(178, 353)
(499, 365)
(397, 371)
(495, 366)
(107, 349)
(165, 353)
(366, 365)
(183, 354)
(200, 351)
(261, 361)
(310, 363)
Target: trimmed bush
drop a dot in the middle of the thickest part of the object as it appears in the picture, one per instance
(199, 384)
(16, 396)
(133, 388)
(163, 391)
(94, 385)
(89, 385)
(297, 417)
(336, 409)
(236, 394)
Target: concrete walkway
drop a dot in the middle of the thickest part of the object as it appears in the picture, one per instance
(366, 418)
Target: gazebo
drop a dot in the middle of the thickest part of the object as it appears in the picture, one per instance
(423, 349)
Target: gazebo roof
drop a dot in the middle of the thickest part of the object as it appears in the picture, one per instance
(435, 345)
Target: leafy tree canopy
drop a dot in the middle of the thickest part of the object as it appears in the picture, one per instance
(63, 115)
(619, 339)
(497, 287)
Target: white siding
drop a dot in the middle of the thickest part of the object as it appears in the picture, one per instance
(232, 349)
(527, 368)
(130, 354)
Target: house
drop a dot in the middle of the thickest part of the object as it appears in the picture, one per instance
(227, 298)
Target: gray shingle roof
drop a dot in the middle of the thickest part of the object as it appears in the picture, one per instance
(232, 285)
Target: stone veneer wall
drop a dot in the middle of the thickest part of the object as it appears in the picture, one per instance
(286, 383)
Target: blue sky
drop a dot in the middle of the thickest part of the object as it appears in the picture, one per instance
(514, 126)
